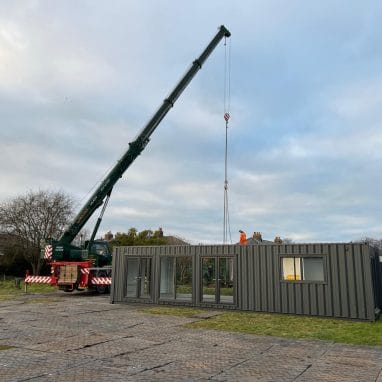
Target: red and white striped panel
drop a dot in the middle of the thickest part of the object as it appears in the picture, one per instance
(48, 252)
(85, 271)
(38, 279)
(101, 280)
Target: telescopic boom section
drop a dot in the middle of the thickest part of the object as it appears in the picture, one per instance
(136, 147)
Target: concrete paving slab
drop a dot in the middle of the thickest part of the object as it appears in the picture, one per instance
(85, 338)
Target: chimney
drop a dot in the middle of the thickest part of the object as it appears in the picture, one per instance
(257, 236)
(109, 236)
(278, 240)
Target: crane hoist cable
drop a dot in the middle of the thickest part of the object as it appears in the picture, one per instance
(227, 107)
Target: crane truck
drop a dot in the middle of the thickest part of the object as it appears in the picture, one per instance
(89, 266)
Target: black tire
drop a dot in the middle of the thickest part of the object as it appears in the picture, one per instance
(102, 289)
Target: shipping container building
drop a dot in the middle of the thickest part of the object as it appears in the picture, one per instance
(329, 280)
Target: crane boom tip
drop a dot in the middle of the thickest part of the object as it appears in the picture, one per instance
(227, 33)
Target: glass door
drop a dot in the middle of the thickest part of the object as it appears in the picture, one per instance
(138, 278)
(219, 290)
(208, 279)
(145, 278)
(225, 280)
(132, 277)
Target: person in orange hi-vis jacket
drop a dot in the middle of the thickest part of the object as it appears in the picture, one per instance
(243, 238)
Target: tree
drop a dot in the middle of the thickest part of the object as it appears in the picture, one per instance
(12, 261)
(34, 217)
(133, 237)
(377, 243)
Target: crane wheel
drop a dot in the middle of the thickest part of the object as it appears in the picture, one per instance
(102, 289)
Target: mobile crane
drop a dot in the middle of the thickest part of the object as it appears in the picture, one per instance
(79, 268)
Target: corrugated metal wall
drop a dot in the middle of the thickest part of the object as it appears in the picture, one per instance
(347, 290)
(351, 287)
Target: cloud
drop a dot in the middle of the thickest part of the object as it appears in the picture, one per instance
(304, 136)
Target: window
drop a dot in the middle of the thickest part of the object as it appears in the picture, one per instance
(291, 268)
(313, 268)
(217, 279)
(167, 277)
(176, 278)
(302, 268)
(183, 278)
(138, 279)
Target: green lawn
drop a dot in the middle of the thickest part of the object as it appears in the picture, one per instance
(172, 311)
(5, 347)
(8, 289)
(282, 325)
(206, 290)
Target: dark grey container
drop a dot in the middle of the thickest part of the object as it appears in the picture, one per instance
(329, 280)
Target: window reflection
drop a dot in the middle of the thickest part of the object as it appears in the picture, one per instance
(226, 279)
(209, 279)
(302, 268)
(218, 289)
(176, 278)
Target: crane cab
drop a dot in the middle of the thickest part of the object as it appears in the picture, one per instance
(99, 251)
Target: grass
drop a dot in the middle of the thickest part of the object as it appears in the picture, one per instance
(336, 330)
(282, 325)
(223, 291)
(172, 311)
(206, 290)
(8, 290)
(42, 300)
(5, 347)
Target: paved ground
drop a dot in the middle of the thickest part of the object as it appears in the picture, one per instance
(84, 338)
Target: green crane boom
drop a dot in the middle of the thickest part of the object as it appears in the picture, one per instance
(134, 150)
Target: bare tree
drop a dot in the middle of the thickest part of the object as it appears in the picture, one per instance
(34, 217)
(377, 243)
(81, 237)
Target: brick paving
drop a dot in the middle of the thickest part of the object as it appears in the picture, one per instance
(84, 338)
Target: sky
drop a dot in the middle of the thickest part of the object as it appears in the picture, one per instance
(80, 79)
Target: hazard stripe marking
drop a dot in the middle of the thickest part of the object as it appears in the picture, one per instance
(101, 280)
(48, 252)
(38, 279)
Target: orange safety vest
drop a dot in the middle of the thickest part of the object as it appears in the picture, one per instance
(243, 238)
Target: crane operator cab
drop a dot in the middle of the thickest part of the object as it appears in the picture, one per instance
(99, 251)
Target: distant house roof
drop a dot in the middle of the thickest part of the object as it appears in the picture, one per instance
(252, 241)
(174, 240)
(257, 239)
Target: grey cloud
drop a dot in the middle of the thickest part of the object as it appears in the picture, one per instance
(304, 158)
